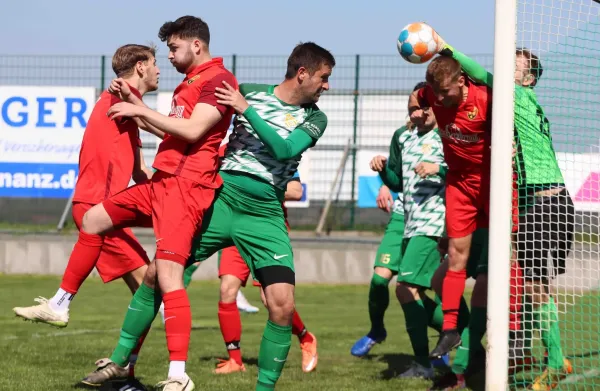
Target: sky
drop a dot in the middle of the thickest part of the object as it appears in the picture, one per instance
(257, 27)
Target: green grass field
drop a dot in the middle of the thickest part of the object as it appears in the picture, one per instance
(38, 357)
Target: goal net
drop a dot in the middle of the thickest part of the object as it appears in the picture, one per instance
(555, 292)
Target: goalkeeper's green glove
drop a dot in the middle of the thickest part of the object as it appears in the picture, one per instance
(446, 50)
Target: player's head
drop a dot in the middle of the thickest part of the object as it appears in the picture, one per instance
(310, 66)
(137, 61)
(188, 39)
(528, 68)
(446, 79)
(430, 121)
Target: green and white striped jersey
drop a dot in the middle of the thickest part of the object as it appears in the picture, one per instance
(424, 198)
(247, 153)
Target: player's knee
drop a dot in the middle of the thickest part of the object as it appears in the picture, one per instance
(383, 272)
(170, 275)
(229, 288)
(280, 302)
(406, 292)
(457, 257)
(150, 276)
(96, 221)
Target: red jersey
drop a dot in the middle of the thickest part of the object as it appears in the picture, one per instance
(466, 129)
(107, 153)
(197, 161)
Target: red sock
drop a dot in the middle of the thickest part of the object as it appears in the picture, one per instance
(82, 261)
(299, 329)
(516, 296)
(178, 324)
(134, 354)
(452, 290)
(231, 329)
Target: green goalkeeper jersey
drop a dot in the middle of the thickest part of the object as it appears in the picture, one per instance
(424, 203)
(536, 162)
(246, 152)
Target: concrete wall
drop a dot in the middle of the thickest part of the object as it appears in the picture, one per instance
(344, 259)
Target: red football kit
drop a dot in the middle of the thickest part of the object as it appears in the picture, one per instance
(466, 137)
(106, 164)
(183, 187)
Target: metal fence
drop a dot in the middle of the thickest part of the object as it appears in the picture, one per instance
(366, 103)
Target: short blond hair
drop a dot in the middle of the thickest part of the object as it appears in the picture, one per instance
(442, 68)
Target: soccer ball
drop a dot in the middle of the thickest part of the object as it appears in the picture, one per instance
(418, 42)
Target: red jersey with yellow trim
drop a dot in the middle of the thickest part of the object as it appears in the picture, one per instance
(107, 153)
(197, 161)
(465, 129)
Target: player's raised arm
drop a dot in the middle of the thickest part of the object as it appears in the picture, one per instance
(469, 66)
(299, 140)
(121, 89)
(203, 118)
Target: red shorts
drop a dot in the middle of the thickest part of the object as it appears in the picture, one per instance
(515, 204)
(232, 263)
(467, 203)
(121, 252)
(173, 205)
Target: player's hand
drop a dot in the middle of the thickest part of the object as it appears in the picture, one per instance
(418, 117)
(378, 163)
(384, 199)
(229, 96)
(120, 88)
(123, 109)
(425, 169)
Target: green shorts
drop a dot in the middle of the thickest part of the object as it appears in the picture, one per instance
(478, 256)
(255, 225)
(390, 249)
(420, 259)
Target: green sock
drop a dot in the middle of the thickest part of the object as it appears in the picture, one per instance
(379, 299)
(415, 316)
(274, 348)
(471, 340)
(187, 274)
(435, 315)
(142, 310)
(547, 318)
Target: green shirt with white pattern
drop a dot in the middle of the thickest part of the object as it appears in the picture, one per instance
(424, 198)
(248, 154)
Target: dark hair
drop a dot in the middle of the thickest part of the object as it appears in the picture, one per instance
(419, 85)
(125, 58)
(442, 68)
(535, 65)
(185, 27)
(310, 56)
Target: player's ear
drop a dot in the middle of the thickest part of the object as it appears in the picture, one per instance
(461, 81)
(302, 74)
(140, 69)
(528, 80)
(197, 46)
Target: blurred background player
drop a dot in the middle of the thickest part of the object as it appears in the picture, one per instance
(387, 260)
(110, 157)
(546, 218)
(462, 109)
(418, 171)
(179, 195)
